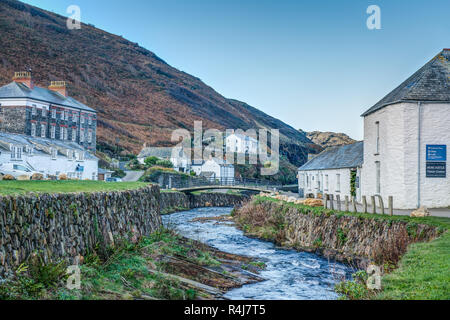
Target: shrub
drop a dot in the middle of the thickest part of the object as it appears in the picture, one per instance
(151, 161)
(62, 176)
(8, 177)
(164, 163)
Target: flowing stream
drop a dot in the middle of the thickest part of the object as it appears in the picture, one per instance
(289, 274)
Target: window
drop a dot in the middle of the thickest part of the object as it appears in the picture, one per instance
(89, 136)
(53, 113)
(81, 135)
(21, 168)
(90, 122)
(75, 117)
(53, 132)
(61, 133)
(326, 182)
(80, 156)
(33, 110)
(44, 112)
(43, 130)
(33, 129)
(377, 125)
(74, 134)
(29, 150)
(338, 182)
(378, 176)
(54, 153)
(16, 153)
(82, 119)
(66, 115)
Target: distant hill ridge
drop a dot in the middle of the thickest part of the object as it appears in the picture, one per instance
(329, 139)
(139, 97)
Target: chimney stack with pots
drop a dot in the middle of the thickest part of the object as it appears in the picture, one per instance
(24, 77)
(59, 86)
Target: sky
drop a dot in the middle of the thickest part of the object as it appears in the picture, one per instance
(312, 64)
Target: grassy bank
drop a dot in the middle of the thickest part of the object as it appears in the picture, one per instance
(161, 266)
(423, 272)
(23, 187)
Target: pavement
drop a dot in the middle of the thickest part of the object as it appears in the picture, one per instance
(132, 176)
(435, 212)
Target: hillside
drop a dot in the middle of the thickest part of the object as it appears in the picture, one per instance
(139, 97)
(329, 139)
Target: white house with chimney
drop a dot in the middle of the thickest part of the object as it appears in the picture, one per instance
(46, 129)
(241, 143)
(406, 142)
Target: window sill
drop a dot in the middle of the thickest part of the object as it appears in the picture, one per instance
(376, 154)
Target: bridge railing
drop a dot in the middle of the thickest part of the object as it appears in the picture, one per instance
(211, 181)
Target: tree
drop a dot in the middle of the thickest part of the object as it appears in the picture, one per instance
(151, 161)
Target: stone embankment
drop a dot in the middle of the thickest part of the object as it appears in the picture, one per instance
(354, 239)
(69, 225)
(176, 201)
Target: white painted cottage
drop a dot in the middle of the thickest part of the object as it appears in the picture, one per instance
(176, 155)
(241, 143)
(335, 171)
(215, 169)
(47, 156)
(406, 140)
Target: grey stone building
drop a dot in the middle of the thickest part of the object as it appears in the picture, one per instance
(46, 112)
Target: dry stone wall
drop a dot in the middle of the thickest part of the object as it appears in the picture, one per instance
(64, 226)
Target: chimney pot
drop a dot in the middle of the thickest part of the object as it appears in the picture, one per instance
(24, 77)
(59, 86)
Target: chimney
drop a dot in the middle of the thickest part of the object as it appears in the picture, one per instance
(24, 77)
(59, 86)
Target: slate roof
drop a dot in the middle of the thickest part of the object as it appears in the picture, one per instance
(431, 83)
(162, 152)
(18, 90)
(348, 156)
(41, 145)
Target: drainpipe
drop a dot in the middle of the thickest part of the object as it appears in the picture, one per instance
(419, 105)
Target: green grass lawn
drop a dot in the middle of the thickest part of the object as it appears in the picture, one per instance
(423, 272)
(23, 187)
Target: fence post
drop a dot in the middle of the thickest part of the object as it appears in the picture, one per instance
(374, 207)
(355, 209)
(346, 203)
(381, 203)
(364, 203)
(338, 201)
(391, 205)
(332, 201)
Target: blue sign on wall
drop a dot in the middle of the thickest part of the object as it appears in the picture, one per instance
(436, 152)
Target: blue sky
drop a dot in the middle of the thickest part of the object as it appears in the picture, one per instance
(313, 64)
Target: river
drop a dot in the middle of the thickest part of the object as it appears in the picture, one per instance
(289, 274)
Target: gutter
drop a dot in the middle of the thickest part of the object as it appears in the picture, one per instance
(419, 138)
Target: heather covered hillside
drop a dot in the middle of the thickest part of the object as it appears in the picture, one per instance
(139, 97)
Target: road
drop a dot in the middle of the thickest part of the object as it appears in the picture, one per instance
(132, 176)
